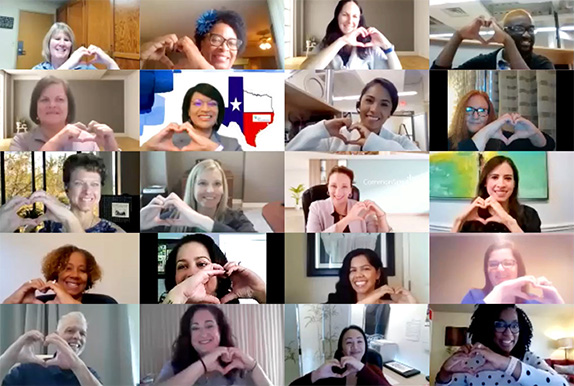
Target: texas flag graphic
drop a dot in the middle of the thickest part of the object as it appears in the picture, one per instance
(252, 112)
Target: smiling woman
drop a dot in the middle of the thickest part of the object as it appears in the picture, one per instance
(500, 341)
(378, 101)
(58, 52)
(69, 272)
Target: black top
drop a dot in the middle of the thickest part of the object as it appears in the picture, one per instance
(528, 222)
(35, 374)
(87, 298)
(522, 144)
(336, 218)
(488, 62)
(233, 221)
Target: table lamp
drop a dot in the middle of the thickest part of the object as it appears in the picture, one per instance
(565, 344)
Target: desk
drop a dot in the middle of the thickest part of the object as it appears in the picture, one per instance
(396, 379)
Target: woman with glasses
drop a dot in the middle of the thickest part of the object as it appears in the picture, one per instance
(475, 127)
(220, 36)
(496, 207)
(506, 280)
(500, 336)
(202, 113)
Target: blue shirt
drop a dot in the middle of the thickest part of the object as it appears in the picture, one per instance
(49, 66)
(34, 374)
(103, 226)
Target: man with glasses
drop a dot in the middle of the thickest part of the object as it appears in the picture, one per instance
(517, 36)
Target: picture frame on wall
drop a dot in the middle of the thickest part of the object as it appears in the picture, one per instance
(326, 251)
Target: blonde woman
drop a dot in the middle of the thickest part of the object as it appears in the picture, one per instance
(58, 52)
(203, 208)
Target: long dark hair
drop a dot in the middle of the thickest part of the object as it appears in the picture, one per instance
(216, 256)
(183, 353)
(344, 292)
(209, 91)
(521, 268)
(481, 329)
(333, 31)
(514, 207)
(339, 353)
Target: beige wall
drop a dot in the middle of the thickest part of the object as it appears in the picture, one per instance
(302, 289)
(456, 262)
(98, 100)
(550, 322)
(394, 18)
(263, 178)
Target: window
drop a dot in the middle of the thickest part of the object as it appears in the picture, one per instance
(289, 23)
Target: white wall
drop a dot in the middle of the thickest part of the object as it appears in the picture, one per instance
(131, 103)
(422, 28)
(117, 254)
(556, 214)
(9, 37)
(414, 348)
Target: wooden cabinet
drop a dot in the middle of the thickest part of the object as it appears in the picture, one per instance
(112, 25)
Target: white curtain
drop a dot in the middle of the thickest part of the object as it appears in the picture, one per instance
(257, 330)
(111, 343)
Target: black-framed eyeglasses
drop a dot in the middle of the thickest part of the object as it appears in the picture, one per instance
(508, 263)
(501, 326)
(217, 40)
(482, 112)
(520, 29)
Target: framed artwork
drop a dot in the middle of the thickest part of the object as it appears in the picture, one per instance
(455, 174)
(326, 251)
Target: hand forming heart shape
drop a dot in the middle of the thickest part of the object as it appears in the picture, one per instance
(480, 24)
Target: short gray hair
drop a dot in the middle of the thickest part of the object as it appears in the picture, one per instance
(56, 27)
(71, 315)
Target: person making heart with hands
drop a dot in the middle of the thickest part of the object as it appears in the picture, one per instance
(197, 271)
(350, 44)
(349, 365)
(205, 353)
(506, 280)
(69, 340)
(340, 213)
(496, 207)
(362, 280)
(499, 350)
(475, 127)
(53, 108)
(203, 111)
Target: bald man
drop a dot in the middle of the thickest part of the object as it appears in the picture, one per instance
(64, 368)
(517, 36)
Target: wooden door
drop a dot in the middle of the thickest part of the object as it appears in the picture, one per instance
(99, 26)
(62, 14)
(31, 31)
(127, 33)
(76, 21)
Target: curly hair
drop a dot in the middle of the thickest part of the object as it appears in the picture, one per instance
(215, 255)
(210, 18)
(481, 329)
(333, 31)
(87, 161)
(55, 261)
(344, 292)
(339, 352)
(458, 130)
(183, 352)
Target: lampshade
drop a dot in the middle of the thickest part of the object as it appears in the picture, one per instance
(455, 336)
(565, 343)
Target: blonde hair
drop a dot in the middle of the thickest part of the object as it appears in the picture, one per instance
(458, 130)
(56, 27)
(513, 13)
(189, 196)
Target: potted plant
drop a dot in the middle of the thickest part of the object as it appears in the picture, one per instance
(296, 194)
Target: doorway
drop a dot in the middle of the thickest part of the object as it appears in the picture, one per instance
(31, 31)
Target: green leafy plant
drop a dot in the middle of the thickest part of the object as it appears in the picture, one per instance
(296, 192)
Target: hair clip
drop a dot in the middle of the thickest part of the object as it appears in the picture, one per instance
(205, 22)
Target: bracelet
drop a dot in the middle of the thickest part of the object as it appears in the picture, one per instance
(511, 366)
(254, 366)
(204, 368)
(389, 50)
